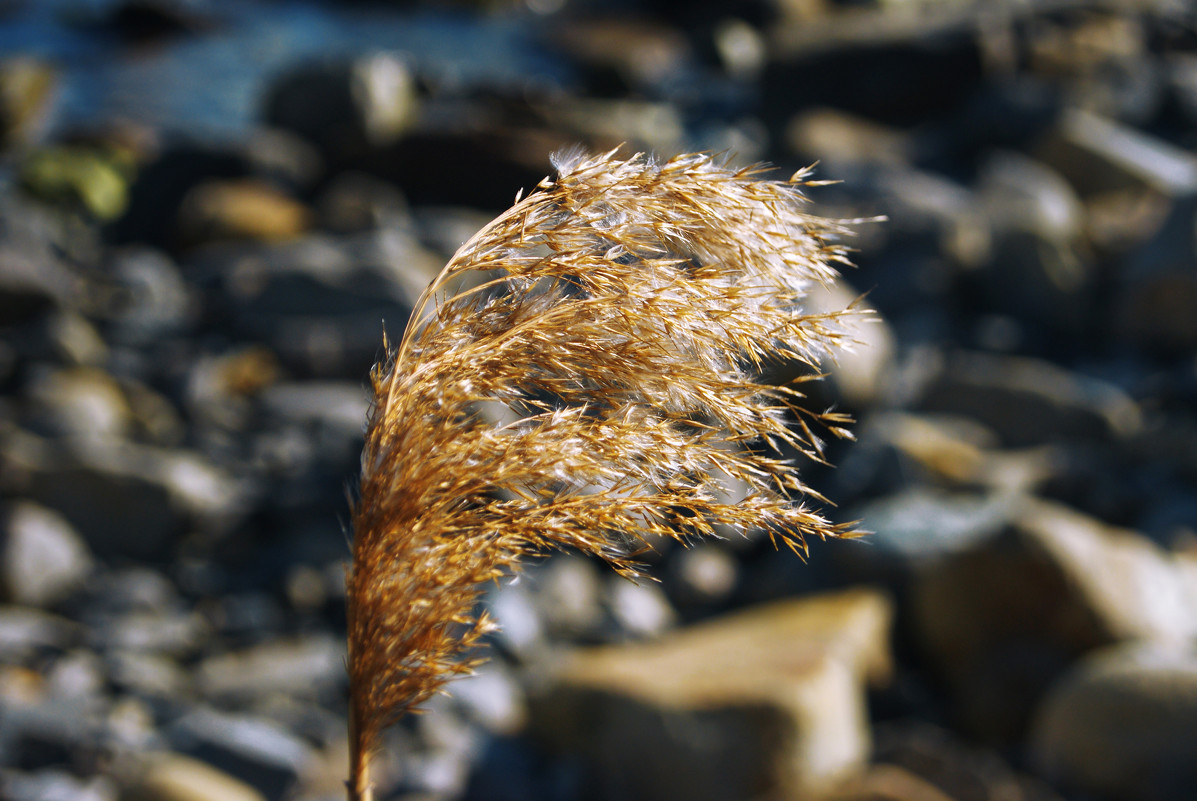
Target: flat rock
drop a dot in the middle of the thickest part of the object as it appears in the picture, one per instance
(1121, 724)
(1027, 401)
(250, 749)
(1002, 619)
(766, 701)
(25, 631)
(305, 667)
(1097, 154)
(174, 777)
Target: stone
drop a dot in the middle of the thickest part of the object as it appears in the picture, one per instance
(125, 499)
(492, 698)
(78, 676)
(248, 749)
(619, 57)
(30, 286)
(943, 451)
(79, 177)
(1038, 269)
(26, 99)
(1003, 619)
(25, 632)
(314, 304)
(766, 701)
(51, 734)
(74, 340)
(81, 402)
(639, 609)
(163, 631)
(147, 674)
(154, 299)
(174, 777)
(239, 210)
(310, 667)
(1120, 724)
(706, 573)
(1027, 401)
(56, 785)
(858, 372)
(513, 607)
(568, 590)
(888, 783)
(833, 137)
(42, 557)
(340, 406)
(1097, 154)
(345, 108)
(923, 525)
(643, 125)
(932, 759)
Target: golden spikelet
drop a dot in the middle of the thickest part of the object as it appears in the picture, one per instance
(614, 320)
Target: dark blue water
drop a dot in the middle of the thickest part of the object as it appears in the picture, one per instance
(209, 82)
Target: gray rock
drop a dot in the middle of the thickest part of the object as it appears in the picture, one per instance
(55, 785)
(922, 525)
(639, 609)
(24, 632)
(513, 607)
(314, 303)
(1120, 725)
(175, 633)
(340, 406)
(154, 300)
(569, 594)
(42, 558)
(704, 574)
(51, 734)
(29, 288)
(134, 589)
(310, 667)
(147, 674)
(249, 749)
(492, 698)
(1039, 269)
(124, 499)
(346, 108)
(767, 701)
(77, 676)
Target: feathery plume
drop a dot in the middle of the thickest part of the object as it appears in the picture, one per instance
(616, 319)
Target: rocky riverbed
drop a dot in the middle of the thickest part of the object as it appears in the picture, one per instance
(211, 212)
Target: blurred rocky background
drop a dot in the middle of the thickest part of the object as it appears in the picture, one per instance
(211, 210)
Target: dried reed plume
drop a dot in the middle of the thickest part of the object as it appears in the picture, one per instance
(614, 319)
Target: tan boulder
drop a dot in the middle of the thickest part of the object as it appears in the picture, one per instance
(769, 702)
(1003, 619)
